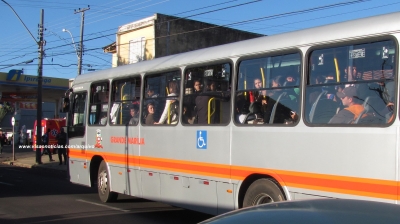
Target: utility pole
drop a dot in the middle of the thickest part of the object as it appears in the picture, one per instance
(39, 93)
(82, 11)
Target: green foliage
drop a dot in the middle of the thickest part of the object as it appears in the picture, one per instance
(5, 107)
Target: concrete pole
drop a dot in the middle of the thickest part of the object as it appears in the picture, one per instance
(80, 54)
(39, 93)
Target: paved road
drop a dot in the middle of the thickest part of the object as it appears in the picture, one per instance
(30, 195)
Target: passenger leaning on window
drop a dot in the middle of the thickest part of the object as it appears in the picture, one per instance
(352, 105)
(134, 115)
(150, 115)
(173, 91)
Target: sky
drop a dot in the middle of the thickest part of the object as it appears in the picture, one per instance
(20, 50)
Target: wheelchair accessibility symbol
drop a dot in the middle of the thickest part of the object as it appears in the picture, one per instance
(202, 139)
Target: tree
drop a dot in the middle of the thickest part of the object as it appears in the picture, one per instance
(5, 107)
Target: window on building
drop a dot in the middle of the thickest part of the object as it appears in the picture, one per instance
(136, 50)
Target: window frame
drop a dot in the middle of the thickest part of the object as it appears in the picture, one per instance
(347, 44)
(159, 96)
(299, 85)
(101, 103)
(122, 102)
(73, 129)
(187, 93)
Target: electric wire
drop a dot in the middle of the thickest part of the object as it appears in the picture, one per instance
(231, 24)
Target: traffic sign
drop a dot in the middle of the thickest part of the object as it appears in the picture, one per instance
(12, 121)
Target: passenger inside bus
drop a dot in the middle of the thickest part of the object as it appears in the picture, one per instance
(134, 113)
(351, 74)
(197, 86)
(260, 96)
(276, 112)
(377, 101)
(171, 110)
(189, 101)
(103, 119)
(242, 108)
(323, 102)
(353, 108)
(203, 102)
(192, 110)
(292, 101)
(150, 114)
(314, 94)
(99, 104)
(151, 93)
(258, 104)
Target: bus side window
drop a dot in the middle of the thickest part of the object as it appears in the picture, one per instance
(355, 90)
(206, 99)
(98, 106)
(161, 98)
(125, 98)
(267, 92)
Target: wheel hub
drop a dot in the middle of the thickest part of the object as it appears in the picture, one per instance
(262, 199)
(103, 180)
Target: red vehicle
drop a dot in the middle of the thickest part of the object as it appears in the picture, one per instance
(55, 126)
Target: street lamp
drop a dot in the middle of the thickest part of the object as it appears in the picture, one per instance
(78, 53)
(73, 41)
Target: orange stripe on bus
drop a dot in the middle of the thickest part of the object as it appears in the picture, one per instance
(322, 182)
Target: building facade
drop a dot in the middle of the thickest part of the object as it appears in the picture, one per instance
(161, 35)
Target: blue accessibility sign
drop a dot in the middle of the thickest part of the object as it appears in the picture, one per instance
(201, 139)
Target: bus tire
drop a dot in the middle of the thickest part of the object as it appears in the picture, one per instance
(262, 191)
(103, 184)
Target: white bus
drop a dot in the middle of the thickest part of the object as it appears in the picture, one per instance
(305, 114)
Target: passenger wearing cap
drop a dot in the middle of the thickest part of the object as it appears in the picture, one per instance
(352, 106)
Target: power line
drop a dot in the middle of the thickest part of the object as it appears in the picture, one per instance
(232, 24)
(147, 6)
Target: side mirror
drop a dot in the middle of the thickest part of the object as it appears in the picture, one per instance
(64, 105)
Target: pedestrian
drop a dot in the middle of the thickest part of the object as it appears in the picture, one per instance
(62, 146)
(2, 141)
(45, 144)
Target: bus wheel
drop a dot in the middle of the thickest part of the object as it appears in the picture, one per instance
(103, 184)
(262, 191)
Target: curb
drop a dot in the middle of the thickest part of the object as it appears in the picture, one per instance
(34, 166)
(14, 163)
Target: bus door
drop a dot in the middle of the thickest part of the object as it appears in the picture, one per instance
(78, 164)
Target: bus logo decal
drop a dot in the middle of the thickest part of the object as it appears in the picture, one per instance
(98, 139)
(201, 139)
